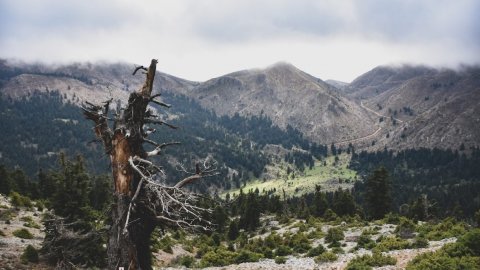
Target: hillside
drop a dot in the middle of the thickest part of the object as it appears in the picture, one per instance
(288, 96)
(431, 108)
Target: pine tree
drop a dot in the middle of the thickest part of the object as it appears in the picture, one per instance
(320, 204)
(378, 193)
(5, 181)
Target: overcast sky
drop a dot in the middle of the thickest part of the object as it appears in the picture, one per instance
(201, 39)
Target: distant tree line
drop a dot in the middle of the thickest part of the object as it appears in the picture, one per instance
(449, 180)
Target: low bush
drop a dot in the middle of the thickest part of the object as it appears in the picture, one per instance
(391, 243)
(334, 234)
(313, 252)
(283, 251)
(464, 254)
(19, 200)
(29, 222)
(299, 243)
(280, 260)
(377, 259)
(364, 241)
(406, 228)
(23, 233)
(446, 229)
(165, 243)
(247, 256)
(220, 257)
(30, 254)
(326, 257)
(187, 261)
(420, 242)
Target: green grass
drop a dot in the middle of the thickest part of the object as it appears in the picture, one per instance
(330, 177)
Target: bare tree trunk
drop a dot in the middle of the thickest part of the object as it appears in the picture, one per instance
(140, 203)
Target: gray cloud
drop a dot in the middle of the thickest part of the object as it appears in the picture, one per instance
(343, 38)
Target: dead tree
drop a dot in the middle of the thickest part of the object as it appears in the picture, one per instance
(141, 202)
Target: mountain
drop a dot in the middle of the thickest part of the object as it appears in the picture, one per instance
(80, 82)
(396, 107)
(431, 107)
(383, 78)
(338, 84)
(40, 118)
(288, 96)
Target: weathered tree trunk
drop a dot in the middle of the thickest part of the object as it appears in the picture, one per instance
(140, 202)
(130, 249)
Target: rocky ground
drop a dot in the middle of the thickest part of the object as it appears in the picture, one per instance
(12, 247)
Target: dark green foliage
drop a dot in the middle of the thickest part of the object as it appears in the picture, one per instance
(30, 254)
(247, 256)
(299, 243)
(343, 203)
(319, 202)
(364, 241)
(449, 179)
(20, 200)
(441, 230)
(280, 260)
(313, 252)
(187, 261)
(369, 261)
(471, 240)
(405, 228)
(391, 243)
(222, 257)
(220, 218)
(282, 250)
(378, 193)
(250, 212)
(465, 254)
(23, 233)
(326, 257)
(334, 235)
(233, 230)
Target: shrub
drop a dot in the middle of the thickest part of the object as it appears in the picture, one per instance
(29, 222)
(164, 244)
(186, 261)
(392, 243)
(405, 228)
(446, 229)
(334, 234)
(40, 205)
(471, 240)
(326, 257)
(280, 260)
(420, 242)
(364, 241)
(217, 258)
(18, 200)
(30, 254)
(313, 252)
(283, 251)
(299, 243)
(377, 259)
(247, 256)
(451, 256)
(23, 233)
(2, 233)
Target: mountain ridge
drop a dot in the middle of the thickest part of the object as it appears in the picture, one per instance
(369, 112)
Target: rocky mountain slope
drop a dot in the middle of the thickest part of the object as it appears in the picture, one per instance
(398, 107)
(431, 108)
(288, 96)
